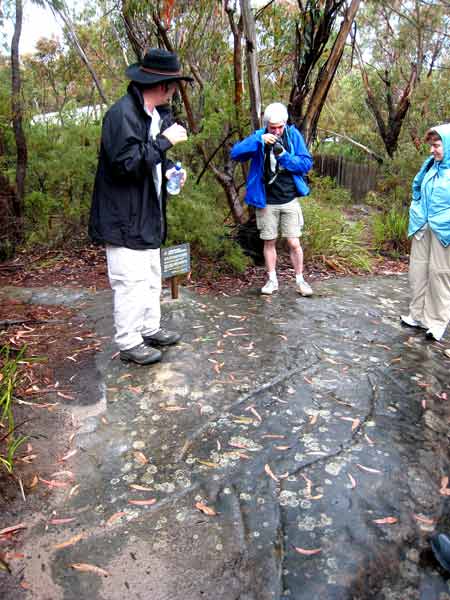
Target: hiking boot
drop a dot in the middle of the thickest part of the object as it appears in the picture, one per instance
(162, 337)
(408, 320)
(270, 287)
(440, 545)
(304, 288)
(141, 355)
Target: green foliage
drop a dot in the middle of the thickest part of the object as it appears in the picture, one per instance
(9, 377)
(390, 232)
(61, 172)
(333, 240)
(326, 191)
(197, 216)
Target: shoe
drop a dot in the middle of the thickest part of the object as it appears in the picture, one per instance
(408, 320)
(141, 355)
(304, 288)
(433, 335)
(162, 337)
(270, 287)
(440, 544)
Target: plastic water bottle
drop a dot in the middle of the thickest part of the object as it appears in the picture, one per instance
(174, 183)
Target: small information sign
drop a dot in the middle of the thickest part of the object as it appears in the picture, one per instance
(175, 260)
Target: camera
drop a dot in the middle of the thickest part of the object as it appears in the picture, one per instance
(278, 147)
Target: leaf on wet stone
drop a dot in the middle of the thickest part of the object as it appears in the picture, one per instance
(74, 490)
(386, 521)
(147, 502)
(307, 552)
(34, 482)
(70, 542)
(207, 463)
(66, 396)
(423, 519)
(207, 510)
(243, 420)
(141, 488)
(369, 469)
(256, 413)
(270, 473)
(87, 568)
(12, 529)
(140, 457)
(61, 521)
(68, 455)
(54, 484)
(115, 517)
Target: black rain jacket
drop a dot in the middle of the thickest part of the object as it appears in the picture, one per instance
(125, 209)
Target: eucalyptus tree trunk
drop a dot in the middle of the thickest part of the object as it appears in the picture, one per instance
(60, 8)
(326, 75)
(21, 143)
(252, 62)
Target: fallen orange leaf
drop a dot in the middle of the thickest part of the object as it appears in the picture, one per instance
(140, 457)
(270, 473)
(425, 520)
(207, 510)
(70, 542)
(13, 528)
(61, 521)
(386, 521)
(148, 502)
(368, 469)
(90, 569)
(307, 552)
(113, 518)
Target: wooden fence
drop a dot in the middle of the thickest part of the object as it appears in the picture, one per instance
(359, 178)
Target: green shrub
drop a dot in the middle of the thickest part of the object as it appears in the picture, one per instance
(326, 191)
(390, 232)
(333, 240)
(197, 216)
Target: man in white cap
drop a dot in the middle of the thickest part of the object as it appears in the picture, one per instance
(279, 159)
(128, 213)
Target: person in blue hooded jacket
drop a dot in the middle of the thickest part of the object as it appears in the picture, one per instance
(279, 159)
(429, 227)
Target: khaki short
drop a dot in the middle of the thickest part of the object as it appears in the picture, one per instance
(288, 217)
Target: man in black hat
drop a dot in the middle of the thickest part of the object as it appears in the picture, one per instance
(128, 213)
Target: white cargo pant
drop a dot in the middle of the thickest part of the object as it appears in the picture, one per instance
(429, 279)
(135, 278)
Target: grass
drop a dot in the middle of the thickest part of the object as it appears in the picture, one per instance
(9, 378)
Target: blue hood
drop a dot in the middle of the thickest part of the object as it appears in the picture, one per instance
(444, 133)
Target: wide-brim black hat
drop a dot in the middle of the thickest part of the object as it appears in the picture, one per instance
(157, 66)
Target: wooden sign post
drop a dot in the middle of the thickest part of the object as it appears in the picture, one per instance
(175, 261)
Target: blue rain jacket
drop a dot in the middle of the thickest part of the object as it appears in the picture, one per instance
(431, 193)
(297, 160)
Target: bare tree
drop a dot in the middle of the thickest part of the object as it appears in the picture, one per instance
(17, 110)
(314, 29)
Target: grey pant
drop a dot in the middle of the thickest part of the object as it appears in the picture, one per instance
(429, 279)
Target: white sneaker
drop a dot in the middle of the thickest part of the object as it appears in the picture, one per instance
(435, 334)
(304, 288)
(408, 320)
(270, 287)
